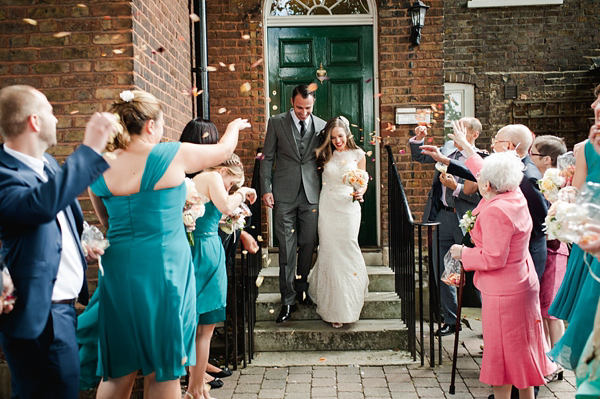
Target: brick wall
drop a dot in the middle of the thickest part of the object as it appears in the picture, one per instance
(544, 50)
(409, 76)
(162, 57)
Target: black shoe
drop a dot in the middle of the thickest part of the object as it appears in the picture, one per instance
(447, 329)
(286, 313)
(304, 299)
(225, 372)
(216, 383)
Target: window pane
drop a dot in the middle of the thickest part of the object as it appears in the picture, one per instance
(319, 7)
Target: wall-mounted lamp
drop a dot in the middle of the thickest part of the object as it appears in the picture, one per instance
(417, 14)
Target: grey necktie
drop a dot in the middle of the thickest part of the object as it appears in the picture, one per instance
(302, 128)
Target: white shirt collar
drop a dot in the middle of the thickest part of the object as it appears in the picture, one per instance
(297, 121)
(34, 163)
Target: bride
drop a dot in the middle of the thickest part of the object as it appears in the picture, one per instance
(338, 282)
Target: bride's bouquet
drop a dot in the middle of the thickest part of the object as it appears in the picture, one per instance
(237, 220)
(192, 210)
(358, 179)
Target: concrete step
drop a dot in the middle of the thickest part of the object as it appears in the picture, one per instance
(317, 335)
(378, 305)
(381, 279)
(373, 257)
(332, 358)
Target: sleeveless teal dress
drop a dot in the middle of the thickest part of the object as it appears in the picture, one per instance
(578, 295)
(209, 265)
(145, 302)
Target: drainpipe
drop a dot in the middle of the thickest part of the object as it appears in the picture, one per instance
(201, 52)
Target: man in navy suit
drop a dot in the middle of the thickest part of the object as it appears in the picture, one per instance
(448, 200)
(40, 228)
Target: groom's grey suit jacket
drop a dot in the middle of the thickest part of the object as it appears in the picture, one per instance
(284, 146)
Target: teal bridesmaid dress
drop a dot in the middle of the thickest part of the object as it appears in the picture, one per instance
(208, 257)
(144, 304)
(579, 291)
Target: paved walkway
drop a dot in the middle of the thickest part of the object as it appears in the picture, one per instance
(397, 382)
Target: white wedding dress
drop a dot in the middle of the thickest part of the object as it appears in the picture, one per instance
(338, 281)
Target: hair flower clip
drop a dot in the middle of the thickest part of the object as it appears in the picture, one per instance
(126, 95)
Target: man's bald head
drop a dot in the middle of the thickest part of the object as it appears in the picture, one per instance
(17, 103)
(519, 135)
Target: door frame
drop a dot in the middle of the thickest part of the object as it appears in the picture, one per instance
(326, 20)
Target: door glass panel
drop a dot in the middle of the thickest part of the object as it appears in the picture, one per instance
(318, 7)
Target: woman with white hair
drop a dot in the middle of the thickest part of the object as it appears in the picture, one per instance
(505, 274)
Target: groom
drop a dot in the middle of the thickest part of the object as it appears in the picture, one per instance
(292, 191)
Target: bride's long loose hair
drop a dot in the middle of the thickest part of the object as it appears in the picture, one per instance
(325, 150)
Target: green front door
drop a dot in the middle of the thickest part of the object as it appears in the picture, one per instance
(346, 54)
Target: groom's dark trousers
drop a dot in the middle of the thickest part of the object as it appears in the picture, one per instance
(38, 336)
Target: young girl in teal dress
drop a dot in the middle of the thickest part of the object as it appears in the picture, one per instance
(208, 257)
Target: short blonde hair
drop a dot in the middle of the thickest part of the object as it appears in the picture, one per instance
(133, 115)
(235, 168)
(17, 103)
(503, 170)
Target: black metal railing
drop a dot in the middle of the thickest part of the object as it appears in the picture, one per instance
(242, 291)
(401, 229)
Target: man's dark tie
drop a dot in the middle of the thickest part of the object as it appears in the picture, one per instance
(302, 128)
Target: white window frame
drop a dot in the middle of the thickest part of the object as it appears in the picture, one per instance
(511, 3)
(467, 93)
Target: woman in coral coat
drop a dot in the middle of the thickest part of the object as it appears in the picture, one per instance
(504, 273)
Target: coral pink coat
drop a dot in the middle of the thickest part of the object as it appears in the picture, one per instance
(505, 274)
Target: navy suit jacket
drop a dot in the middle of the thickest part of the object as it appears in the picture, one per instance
(30, 232)
(537, 204)
(462, 203)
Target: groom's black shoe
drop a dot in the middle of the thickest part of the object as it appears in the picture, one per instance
(286, 313)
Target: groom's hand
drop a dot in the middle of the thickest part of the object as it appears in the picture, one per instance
(268, 200)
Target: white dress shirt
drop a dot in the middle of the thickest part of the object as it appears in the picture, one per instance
(69, 279)
(297, 121)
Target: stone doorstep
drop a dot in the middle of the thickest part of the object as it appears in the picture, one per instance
(372, 257)
(381, 279)
(332, 358)
(317, 335)
(378, 305)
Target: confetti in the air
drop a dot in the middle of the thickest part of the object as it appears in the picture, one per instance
(368, 80)
(245, 87)
(378, 95)
(271, 311)
(256, 63)
(118, 51)
(106, 17)
(211, 68)
(312, 87)
(205, 135)
(81, 5)
(430, 140)
(194, 17)
(259, 280)
(369, 153)
(402, 152)
(161, 50)
(274, 93)
(260, 156)
(246, 37)
(30, 21)
(322, 359)
(259, 238)
(244, 252)
(232, 67)
(274, 107)
(74, 112)
(221, 63)
(222, 110)
(61, 34)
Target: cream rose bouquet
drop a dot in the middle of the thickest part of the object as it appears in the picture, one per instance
(358, 179)
(551, 183)
(193, 209)
(236, 221)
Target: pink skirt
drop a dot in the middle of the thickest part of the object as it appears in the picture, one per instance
(515, 348)
(556, 266)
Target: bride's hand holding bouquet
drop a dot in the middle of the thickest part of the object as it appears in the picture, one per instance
(358, 179)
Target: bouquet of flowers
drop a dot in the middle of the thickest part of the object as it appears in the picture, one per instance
(358, 179)
(192, 210)
(567, 221)
(92, 237)
(468, 221)
(551, 183)
(237, 220)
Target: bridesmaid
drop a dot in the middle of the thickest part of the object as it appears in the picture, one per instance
(208, 257)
